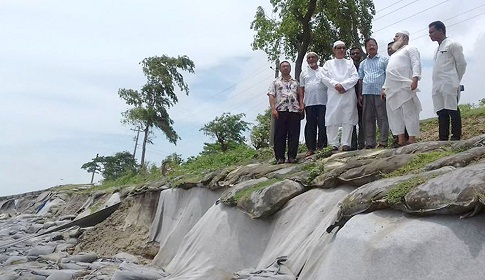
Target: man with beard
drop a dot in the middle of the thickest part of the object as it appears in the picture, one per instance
(286, 107)
(406, 135)
(372, 74)
(402, 75)
(389, 48)
(340, 76)
(314, 94)
(449, 67)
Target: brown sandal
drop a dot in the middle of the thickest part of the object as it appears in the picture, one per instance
(309, 153)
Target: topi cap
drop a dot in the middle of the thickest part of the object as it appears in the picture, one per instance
(337, 43)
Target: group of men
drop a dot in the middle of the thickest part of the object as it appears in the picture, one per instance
(378, 92)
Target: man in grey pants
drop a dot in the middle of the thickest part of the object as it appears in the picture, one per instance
(372, 74)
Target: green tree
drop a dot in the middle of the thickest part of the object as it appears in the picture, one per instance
(261, 131)
(170, 162)
(150, 104)
(112, 167)
(301, 25)
(227, 130)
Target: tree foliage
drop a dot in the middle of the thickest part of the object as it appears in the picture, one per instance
(261, 131)
(302, 25)
(151, 102)
(170, 162)
(227, 130)
(112, 167)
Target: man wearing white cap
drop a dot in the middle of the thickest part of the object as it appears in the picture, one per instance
(314, 94)
(402, 75)
(340, 76)
(449, 67)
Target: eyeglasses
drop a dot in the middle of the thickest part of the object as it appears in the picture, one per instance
(355, 53)
(340, 48)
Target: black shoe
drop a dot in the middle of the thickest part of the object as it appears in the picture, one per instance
(334, 148)
(292, 160)
(280, 161)
(369, 147)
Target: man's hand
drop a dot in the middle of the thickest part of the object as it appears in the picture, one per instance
(274, 113)
(359, 100)
(383, 94)
(340, 88)
(414, 84)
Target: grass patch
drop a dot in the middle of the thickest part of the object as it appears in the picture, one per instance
(314, 169)
(243, 194)
(207, 163)
(420, 161)
(396, 194)
(325, 152)
(73, 188)
(194, 168)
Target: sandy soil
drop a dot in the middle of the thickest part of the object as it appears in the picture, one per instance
(126, 230)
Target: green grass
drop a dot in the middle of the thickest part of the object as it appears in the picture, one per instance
(325, 152)
(194, 167)
(243, 194)
(239, 156)
(314, 170)
(397, 194)
(420, 161)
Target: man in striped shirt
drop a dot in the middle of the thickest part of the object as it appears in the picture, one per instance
(372, 74)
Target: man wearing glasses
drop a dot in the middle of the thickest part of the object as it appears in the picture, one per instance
(372, 74)
(340, 76)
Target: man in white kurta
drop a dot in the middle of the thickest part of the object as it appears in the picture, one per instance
(402, 75)
(340, 76)
(448, 70)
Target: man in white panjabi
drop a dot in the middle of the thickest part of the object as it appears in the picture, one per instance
(340, 76)
(402, 75)
(448, 70)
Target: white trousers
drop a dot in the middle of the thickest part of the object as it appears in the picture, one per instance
(332, 135)
(404, 117)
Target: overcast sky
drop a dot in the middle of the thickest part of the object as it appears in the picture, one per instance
(62, 63)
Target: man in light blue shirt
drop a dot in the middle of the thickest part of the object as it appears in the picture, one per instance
(372, 74)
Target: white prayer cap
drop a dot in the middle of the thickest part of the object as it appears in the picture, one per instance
(337, 43)
(312, 53)
(403, 32)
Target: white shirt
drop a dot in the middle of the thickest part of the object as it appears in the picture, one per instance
(341, 108)
(314, 88)
(448, 69)
(403, 65)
